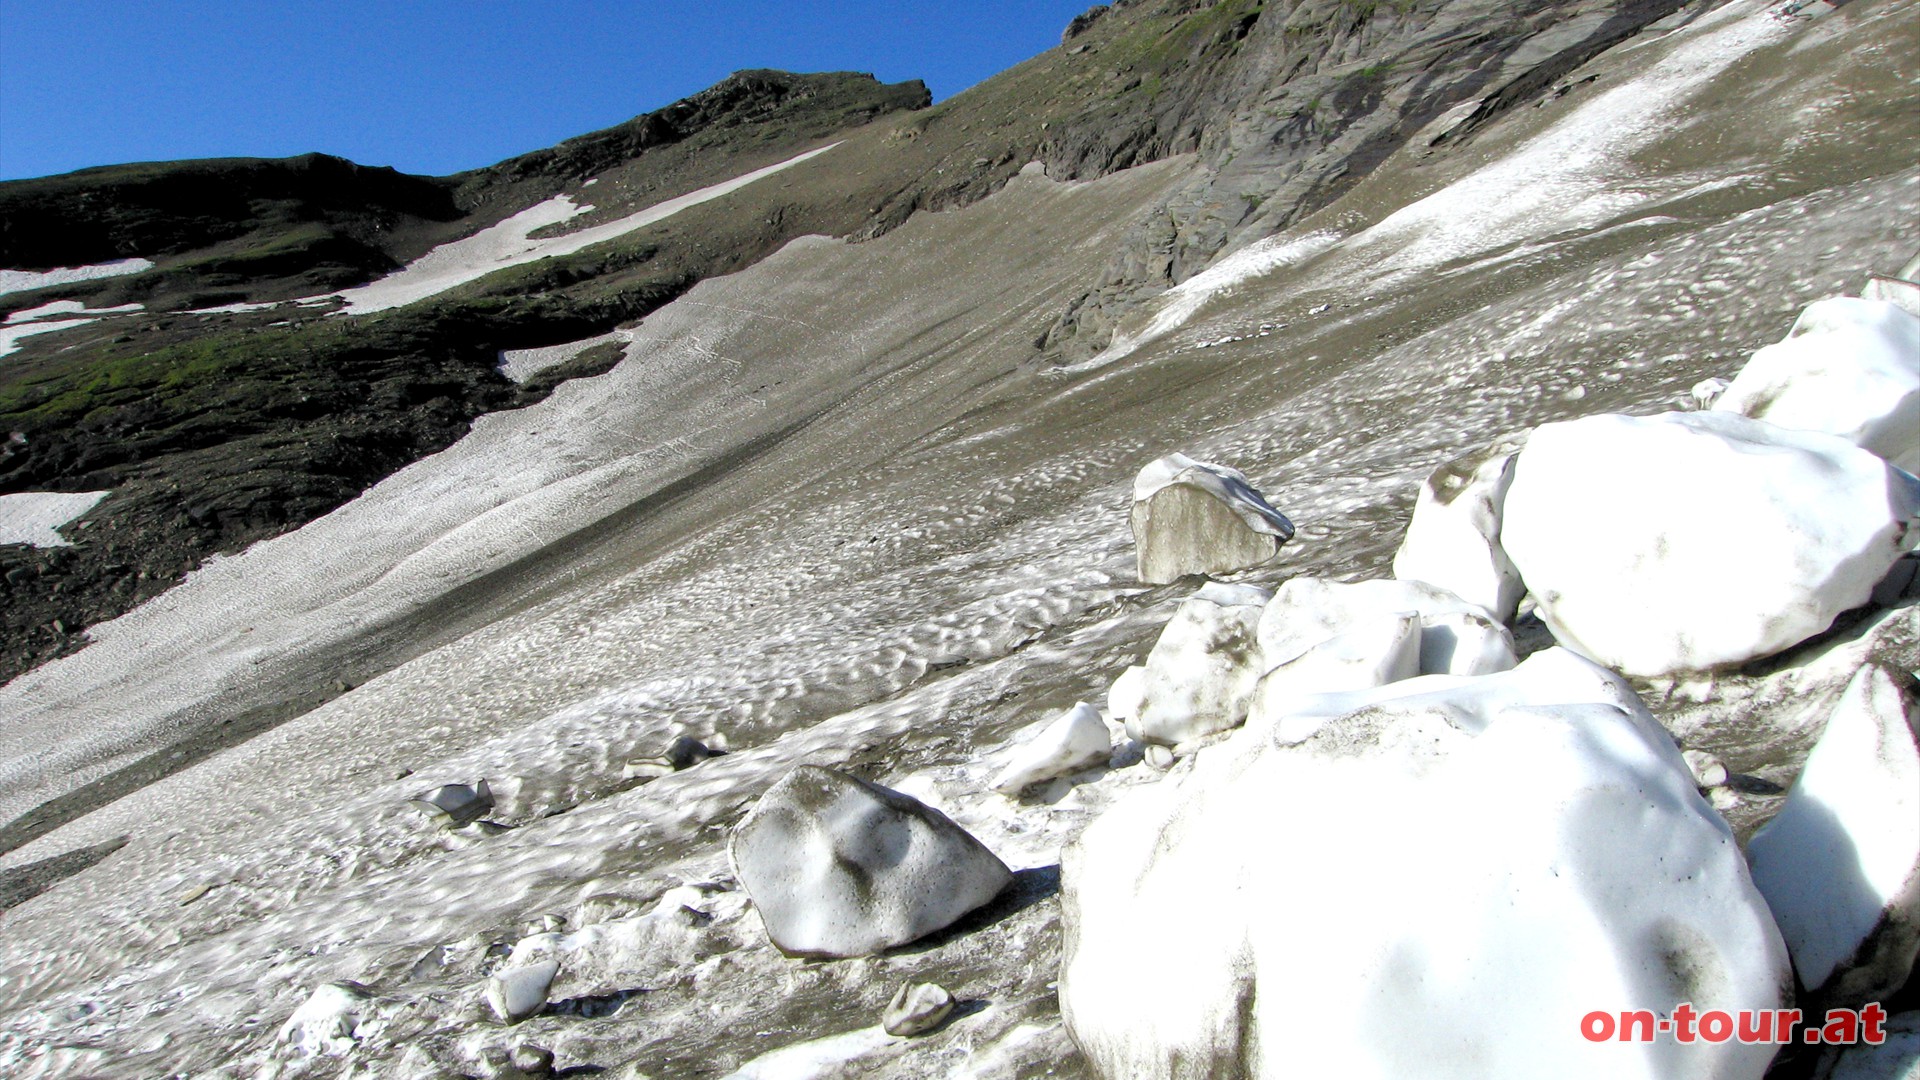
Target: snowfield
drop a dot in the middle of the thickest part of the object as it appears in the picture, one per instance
(830, 511)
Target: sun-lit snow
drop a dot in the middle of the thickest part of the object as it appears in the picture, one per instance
(31, 517)
(510, 243)
(13, 281)
(523, 364)
(827, 508)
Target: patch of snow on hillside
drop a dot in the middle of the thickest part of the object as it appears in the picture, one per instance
(523, 364)
(67, 307)
(510, 243)
(1577, 174)
(31, 517)
(1172, 309)
(11, 336)
(13, 281)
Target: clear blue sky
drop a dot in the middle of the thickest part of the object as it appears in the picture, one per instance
(437, 86)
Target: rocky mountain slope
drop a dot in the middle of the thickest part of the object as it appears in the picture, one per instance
(843, 483)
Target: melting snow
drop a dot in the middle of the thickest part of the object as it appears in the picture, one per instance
(510, 243)
(30, 517)
(13, 281)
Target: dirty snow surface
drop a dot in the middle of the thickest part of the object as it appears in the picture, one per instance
(510, 243)
(831, 511)
(30, 517)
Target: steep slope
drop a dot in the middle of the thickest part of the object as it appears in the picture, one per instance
(214, 427)
(837, 509)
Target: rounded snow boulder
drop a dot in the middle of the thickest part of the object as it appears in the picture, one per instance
(1453, 541)
(1444, 884)
(838, 866)
(1076, 740)
(1454, 637)
(1200, 674)
(1194, 517)
(1840, 862)
(1849, 367)
(1691, 541)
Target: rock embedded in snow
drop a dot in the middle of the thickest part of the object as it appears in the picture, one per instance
(1414, 862)
(1840, 863)
(1158, 757)
(1078, 739)
(1194, 517)
(457, 804)
(328, 1022)
(838, 866)
(1849, 367)
(1708, 771)
(1201, 673)
(518, 992)
(1454, 539)
(916, 1009)
(1692, 541)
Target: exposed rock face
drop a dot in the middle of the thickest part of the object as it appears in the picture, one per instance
(1194, 517)
(1848, 367)
(1840, 863)
(1076, 740)
(1690, 541)
(838, 866)
(1201, 673)
(1453, 541)
(1291, 102)
(1415, 861)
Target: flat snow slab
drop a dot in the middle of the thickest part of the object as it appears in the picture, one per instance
(13, 281)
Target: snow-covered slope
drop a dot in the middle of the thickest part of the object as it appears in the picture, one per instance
(825, 510)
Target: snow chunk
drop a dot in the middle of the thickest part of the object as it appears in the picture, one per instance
(1453, 636)
(1201, 673)
(1453, 540)
(1849, 368)
(1075, 741)
(1690, 541)
(1904, 293)
(329, 1021)
(31, 517)
(838, 866)
(1194, 517)
(1123, 697)
(13, 281)
(1840, 863)
(1371, 652)
(1531, 813)
(1896, 1059)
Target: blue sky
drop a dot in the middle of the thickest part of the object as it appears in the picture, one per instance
(437, 86)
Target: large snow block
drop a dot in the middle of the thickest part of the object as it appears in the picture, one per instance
(1076, 740)
(1840, 863)
(1849, 367)
(1453, 541)
(1440, 886)
(1193, 517)
(1200, 675)
(838, 866)
(1456, 637)
(1691, 541)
